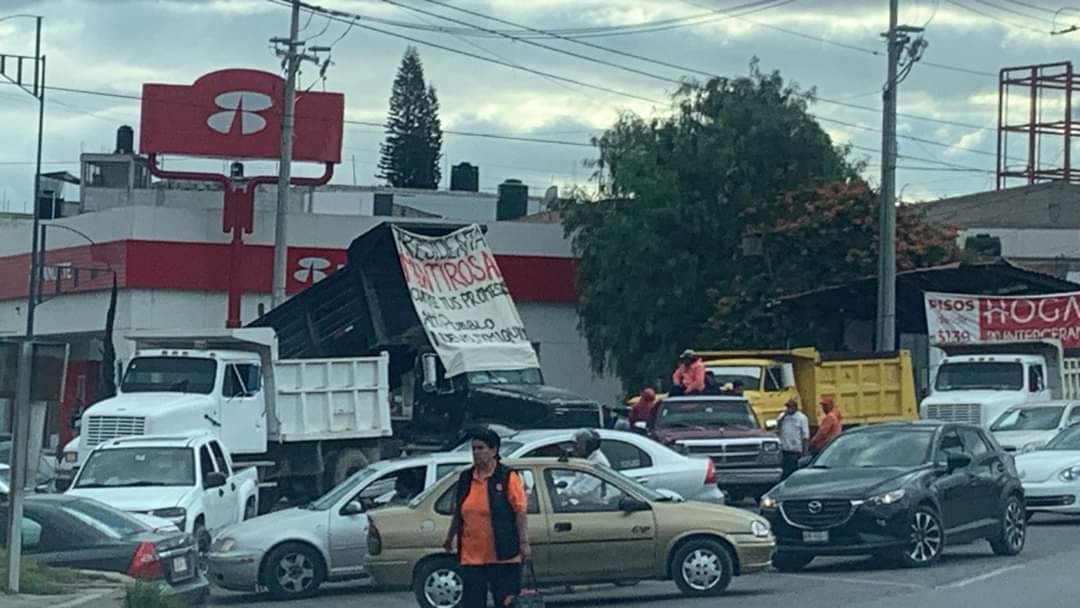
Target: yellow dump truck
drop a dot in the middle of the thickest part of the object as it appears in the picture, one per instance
(867, 388)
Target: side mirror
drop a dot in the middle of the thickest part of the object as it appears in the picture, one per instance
(353, 507)
(632, 505)
(214, 480)
(429, 367)
(770, 425)
(957, 461)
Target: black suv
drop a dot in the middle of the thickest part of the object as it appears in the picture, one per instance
(899, 490)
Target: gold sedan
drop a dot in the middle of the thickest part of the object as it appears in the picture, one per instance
(587, 524)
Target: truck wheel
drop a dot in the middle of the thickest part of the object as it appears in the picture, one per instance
(438, 583)
(702, 568)
(347, 463)
(293, 570)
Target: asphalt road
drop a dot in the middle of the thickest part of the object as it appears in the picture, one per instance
(1043, 576)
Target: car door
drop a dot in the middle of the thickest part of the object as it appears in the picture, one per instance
(215, 511)
(243, 409)
(958, 492)
(69, 539)
(230, 509)
(991, 473)
(585, 523)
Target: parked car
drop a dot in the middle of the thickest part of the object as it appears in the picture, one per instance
(634, 455)
(71, 532)
(188, 480)
(292, 552)
(1030, 426)
(1051, 474)
(701, 546)
(45, 472)
(900, 489)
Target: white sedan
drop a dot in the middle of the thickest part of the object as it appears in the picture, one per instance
(636, 456)
(1051, 475)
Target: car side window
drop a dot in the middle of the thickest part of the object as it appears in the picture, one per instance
(624, 456)
(445, 504)
(206, 463)
(1074, 415)
(975, 444)
(581, 492)
(31, 534)
(395, 488)
(443, 470)
(219, 458)
(951, 443)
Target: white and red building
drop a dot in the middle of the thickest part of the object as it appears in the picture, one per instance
(165, 243)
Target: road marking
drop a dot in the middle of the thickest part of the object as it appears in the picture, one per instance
(982, 577)
(82, 601)
(857, 581)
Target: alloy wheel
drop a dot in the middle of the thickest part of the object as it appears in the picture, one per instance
(702, 570)
(926, 538)
(295, 573)
(444, 588)
(1015, 525)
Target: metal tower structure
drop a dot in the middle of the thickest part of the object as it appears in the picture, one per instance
(1035, 124)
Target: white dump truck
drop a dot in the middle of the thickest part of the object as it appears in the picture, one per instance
(977, 383)
(305, 423)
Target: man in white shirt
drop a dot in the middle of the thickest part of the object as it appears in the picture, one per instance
(794, 430)
(587, 447)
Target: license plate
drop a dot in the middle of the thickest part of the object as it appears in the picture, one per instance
(815, 537)
(180, 565)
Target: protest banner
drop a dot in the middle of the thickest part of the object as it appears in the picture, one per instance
(974, 319)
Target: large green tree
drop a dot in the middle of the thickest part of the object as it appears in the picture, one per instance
(413, 148)
(666, 236)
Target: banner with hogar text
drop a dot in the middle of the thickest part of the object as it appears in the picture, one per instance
(968, 319)
(463, 303)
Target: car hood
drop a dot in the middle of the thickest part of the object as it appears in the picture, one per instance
(136, 499)
(852, 483)
(692, 514)
(1041, 465)
(977, 396)
(1016, 440)
(680, 434)
(265, 531)
(135, 404)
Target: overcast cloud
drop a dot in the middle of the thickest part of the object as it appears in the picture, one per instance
(117, 45)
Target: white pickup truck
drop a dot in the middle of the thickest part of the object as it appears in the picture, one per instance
(189, 480)
(977, 383)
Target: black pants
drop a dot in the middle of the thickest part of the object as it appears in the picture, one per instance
(504, 581)
(789, 464)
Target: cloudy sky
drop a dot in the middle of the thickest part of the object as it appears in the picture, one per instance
(114, 46)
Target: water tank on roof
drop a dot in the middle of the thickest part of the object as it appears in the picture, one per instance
(513, 200)
(125, 140)
(465, 177)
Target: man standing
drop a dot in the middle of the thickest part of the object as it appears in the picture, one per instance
(829, 427)
(794, 430)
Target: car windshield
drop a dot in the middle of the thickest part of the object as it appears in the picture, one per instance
(517, 376)
(1069, 439)
(113, 519)
(748, 376)
(985, 375)
(1043, 418)
(170, 375)
(905, 447)
(706, 414)
(343, 489)
(138, 467)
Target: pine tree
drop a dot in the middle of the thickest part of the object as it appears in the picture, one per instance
(413, 148)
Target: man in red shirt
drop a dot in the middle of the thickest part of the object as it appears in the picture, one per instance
(689, 376)
(828, 427)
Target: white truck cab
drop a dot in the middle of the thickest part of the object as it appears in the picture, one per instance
(977, 383)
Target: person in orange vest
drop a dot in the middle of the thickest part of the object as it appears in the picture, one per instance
(829, 426)
(689, 376)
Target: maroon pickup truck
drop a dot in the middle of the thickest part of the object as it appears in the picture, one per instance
(724, 428)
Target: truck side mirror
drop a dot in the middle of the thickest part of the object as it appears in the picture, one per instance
(429, 365)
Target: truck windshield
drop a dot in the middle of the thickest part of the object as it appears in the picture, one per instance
(748, 376)
(517, 376)
(138, 467)
(706, 414)
(984, 375)
(170, 375)
(1042, 418)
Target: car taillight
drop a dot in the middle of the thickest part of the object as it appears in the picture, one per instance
(710, 473)
(146, 564)
(374, 540)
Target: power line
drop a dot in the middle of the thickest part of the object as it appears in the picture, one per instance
(909, 137)
(1032, 6)
(994, 18)
(1006, 9)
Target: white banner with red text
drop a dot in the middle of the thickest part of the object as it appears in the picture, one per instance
(968, 319)
(463, 302)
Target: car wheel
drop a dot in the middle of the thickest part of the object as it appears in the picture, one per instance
(702, 568)
(250, 510)
(791, 562)
(926, 542)
(202, 542)
(293, 570)
(1013, 533)
(438, 584)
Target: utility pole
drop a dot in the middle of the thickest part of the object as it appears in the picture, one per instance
(897, 39)
(281, 243)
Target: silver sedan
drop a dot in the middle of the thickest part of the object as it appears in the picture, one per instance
(291, 553)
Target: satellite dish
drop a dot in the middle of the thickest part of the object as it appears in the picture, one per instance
(551, 195)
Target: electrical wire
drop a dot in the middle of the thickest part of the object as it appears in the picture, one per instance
(1006, 9)
(994, 18)
(1032, 6)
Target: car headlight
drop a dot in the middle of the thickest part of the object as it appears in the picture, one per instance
(768, 502)
(887, 498)
(223, 545)
(770, 446)
(1031, 447)
(174, 513)
(71, 457)
(760, 529)
(1070, 474)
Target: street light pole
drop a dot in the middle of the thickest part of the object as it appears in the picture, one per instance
(886, 315)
